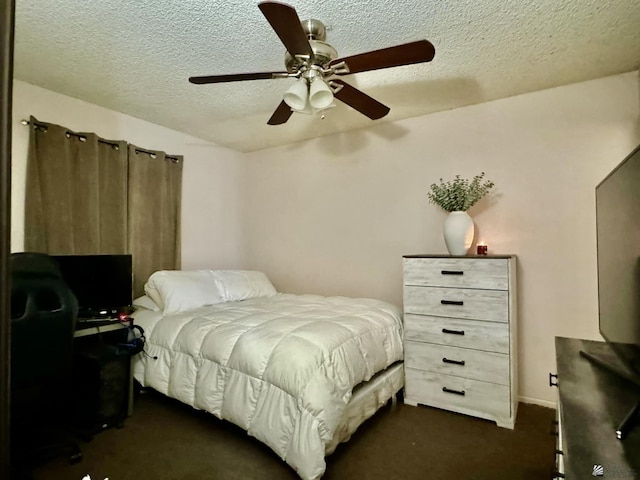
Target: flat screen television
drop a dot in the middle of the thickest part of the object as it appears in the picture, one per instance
(102, 284)
(618, 260)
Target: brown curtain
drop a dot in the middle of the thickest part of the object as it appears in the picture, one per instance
(76, 192)
(87, 195)
(155, 193)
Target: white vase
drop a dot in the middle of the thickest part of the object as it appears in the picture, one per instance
(458, 232)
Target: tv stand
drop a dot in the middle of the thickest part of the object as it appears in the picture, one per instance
(591, 403)
(631, 419)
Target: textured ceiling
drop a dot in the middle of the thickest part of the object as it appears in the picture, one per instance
(135, 56)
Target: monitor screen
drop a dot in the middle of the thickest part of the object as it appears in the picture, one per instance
(102, 284)
(618, 253)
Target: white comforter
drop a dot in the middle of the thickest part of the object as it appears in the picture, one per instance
(281, 367)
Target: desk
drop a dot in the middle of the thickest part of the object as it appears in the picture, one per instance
(92, 327)
(92, 340)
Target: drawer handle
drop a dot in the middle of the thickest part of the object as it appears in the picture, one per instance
(455, 362)
(451, 302)
(453, 332)
(456, 392)
(452, 272)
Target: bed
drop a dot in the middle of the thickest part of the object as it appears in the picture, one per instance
(298, 372)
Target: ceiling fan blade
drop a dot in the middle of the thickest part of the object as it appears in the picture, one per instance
(359, 100)
(281, 115)
(237, 77)
(286, 23)
(405, 54)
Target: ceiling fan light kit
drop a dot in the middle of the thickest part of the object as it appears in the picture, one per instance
(320, 95)
(296, 96)
(315, 63)
(309, 93)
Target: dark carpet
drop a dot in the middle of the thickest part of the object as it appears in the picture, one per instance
(167, 440)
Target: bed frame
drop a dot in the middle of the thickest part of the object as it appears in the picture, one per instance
(367, 399)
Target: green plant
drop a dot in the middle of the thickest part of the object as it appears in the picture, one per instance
(459, 194)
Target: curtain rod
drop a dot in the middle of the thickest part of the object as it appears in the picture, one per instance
(114, 144)
(154, 154)
(71, 134)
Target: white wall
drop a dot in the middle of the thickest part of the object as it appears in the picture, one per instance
(211, 174)
(335, 215)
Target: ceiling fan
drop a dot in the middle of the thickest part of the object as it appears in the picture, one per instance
(315, 64)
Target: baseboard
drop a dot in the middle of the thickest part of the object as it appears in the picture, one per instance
(537, 401)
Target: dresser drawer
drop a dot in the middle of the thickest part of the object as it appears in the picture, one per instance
(490, 305)
(461, 362)
(491, 274)
(456, 393)
(487, 336)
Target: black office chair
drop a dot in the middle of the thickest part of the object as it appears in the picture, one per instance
(43, 316)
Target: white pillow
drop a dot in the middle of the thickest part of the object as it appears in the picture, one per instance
(145, 302)
(235, 285)
(179, 290)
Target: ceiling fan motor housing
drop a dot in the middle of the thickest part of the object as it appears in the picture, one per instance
(323, 53)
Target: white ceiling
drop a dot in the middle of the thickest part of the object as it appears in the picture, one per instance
(135, 56)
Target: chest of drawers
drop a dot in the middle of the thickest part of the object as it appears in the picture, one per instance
(460, 334)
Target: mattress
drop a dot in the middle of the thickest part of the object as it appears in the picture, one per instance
(282, 367)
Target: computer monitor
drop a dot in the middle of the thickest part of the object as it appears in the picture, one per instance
(102, 284)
